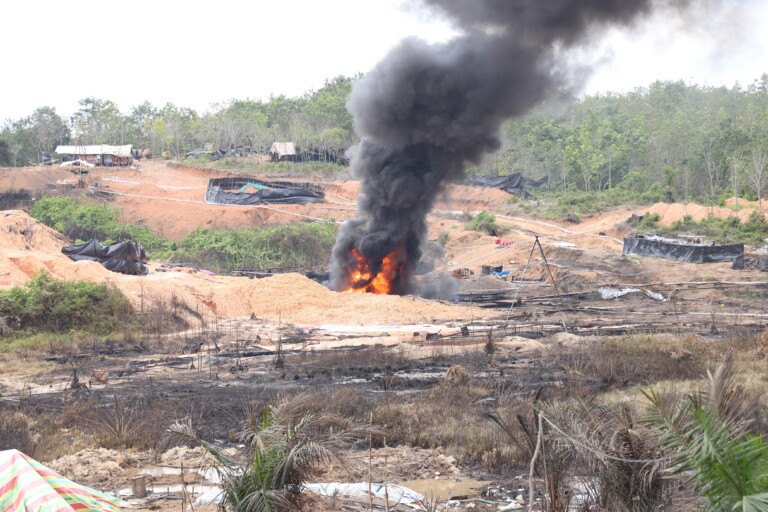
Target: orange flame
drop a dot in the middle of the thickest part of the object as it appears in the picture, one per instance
(361, 278)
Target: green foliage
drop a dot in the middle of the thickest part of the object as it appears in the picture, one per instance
(27, 138)
(707, 434)
(726, 229)
(5, 155)
(306, 245)
(486, 222)
(296, 245)
(564, 204)
(286, 444)
(649, 224)
(47, 304)
(86, 220)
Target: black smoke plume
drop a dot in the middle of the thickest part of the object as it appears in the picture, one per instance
(427, 110)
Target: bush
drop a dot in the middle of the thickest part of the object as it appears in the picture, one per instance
(727, 229)
(47, 304)
(649, 223)
(305, 245)
(86, 220)
(295, 245)
(486, 223)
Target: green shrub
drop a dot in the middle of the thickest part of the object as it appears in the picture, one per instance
(294, 245)
(86, 220)
(649, 224)
(726, 229)
(47, 304)
(486, 222)
(707, 436)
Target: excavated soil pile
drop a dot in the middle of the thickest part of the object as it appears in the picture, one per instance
(28, 246)
(296, 299)
(97, 467)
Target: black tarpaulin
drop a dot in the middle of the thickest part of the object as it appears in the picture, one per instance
(514, 183)
(682, 251)
(124, 257)
(244, 191)
(762, 263)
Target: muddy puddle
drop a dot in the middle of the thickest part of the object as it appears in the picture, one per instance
(441, 490)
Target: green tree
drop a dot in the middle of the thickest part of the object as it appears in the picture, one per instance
(5, 155)
(99, 122)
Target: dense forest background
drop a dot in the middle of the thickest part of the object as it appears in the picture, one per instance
(669, 141)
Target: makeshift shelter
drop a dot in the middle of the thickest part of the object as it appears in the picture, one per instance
(283, 151)
(244, 191)
(124, 257)
(682, 251)
(97, 154)
(514, 183)
(28, 486)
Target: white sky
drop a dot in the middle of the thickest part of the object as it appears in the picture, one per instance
(197, 53)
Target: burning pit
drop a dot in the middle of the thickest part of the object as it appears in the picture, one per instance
(427, 110)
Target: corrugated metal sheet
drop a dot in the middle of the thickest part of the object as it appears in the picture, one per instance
(283, 148)
(100, 149)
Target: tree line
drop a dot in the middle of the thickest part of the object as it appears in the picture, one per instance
(317, 121)
(672, 140)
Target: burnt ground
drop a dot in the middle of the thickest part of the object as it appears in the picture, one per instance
(523, 338)
(213, 374)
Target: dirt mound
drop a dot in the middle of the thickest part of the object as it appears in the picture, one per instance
(20, 231)
(93, 466)
(27, 246)
(462, 197)
(183, 455)
(670, 213)
(296, 299)
(32, 178)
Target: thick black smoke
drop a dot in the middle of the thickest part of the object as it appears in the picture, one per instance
(427, 110)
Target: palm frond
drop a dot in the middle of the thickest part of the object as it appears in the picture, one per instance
(706, 435)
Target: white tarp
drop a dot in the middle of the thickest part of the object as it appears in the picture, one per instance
(77, 163)
(608, 292)
(283, 148)
(393, 493)
(99, 149)
(396, 494)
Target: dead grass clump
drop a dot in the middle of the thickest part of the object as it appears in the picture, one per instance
(137, 423)
(452, 417)
(621, 452)
(17, 431)
(456, 376)
(38, 432)
(375, 358)
(639, 359)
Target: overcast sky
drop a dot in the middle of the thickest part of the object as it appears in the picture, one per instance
(195, 54)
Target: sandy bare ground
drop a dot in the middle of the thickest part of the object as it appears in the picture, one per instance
(169, 199)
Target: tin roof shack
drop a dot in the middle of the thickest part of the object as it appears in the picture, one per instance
(99, 154)
(681, 250)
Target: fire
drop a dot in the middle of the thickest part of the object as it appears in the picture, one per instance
(361, 278)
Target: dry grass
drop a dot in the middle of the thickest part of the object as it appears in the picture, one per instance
(634, 359)
(453, 416)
